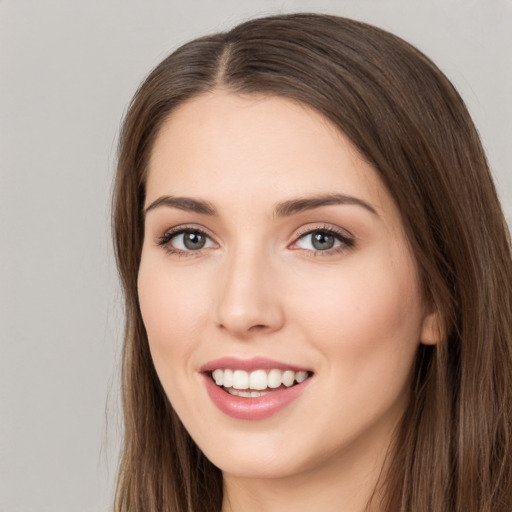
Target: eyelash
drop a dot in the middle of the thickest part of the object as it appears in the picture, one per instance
(346, 242)
(165, 240)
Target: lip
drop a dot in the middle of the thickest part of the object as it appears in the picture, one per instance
(253, 408)
(249, 365)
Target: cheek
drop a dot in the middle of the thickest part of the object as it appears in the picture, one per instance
(367, 325)
(173, 312)
(365, 318)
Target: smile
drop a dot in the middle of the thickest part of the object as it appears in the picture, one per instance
(253, 393)
(256, 383)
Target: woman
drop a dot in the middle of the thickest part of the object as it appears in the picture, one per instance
(318, 281)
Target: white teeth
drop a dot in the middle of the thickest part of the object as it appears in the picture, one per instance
(218, 377)
(301, 376)
(258, 380)
(228, 378)
(274, 378)
(245, 394)
(240, 379)
(288, 378)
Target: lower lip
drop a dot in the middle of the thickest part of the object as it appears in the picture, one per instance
(253, 408)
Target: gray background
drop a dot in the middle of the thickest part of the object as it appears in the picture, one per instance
(67, 71)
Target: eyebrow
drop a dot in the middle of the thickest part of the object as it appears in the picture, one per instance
(283, 209)
(183, 203)
(293, 206)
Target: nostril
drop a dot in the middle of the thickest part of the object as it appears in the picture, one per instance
(258, 327)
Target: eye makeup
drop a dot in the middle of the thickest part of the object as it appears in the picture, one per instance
(324, 240)
(191, 240)
(186, 241)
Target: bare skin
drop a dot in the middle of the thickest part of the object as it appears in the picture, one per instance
(300, 256)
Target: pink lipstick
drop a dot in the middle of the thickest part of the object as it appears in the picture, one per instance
(253, 389)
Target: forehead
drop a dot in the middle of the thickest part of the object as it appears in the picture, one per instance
(256, 149)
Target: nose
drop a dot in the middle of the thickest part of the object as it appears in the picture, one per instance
(249, 301)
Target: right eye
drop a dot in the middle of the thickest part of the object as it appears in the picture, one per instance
(186, 240)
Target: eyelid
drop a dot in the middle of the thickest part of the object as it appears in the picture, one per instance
(165, 239)
(322, 226)
(347, 239)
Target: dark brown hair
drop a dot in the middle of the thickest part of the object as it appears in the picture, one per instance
(453, 450)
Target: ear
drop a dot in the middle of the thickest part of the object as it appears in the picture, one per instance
(432, 329)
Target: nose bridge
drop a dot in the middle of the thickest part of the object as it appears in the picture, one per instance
(248, 299)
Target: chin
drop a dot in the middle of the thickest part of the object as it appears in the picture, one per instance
(256, 465)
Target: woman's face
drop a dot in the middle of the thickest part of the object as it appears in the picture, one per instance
(273, 254)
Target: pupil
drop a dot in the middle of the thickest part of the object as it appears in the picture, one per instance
(194, 241)
(323, 241)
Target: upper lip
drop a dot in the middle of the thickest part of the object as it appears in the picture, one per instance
(250, 364)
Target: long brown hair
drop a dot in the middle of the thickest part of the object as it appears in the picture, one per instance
(453, 450)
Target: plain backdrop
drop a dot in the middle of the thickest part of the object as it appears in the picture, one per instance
(68, 69)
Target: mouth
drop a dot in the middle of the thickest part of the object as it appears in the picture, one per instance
(257, 383)
(253, 389)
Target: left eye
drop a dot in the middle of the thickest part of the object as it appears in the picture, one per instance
(321, 240)
(189, 241)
